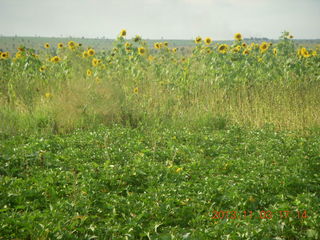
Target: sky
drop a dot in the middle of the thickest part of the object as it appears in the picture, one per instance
(156, 19)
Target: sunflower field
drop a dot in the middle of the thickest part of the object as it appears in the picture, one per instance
(151, 142)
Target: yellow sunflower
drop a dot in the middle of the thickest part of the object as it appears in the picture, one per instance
(89, 72)
(91, 52)
(166, 44)
(238, 36)
(55, 59)
(304, 53)
(244, 45)
(141, 51)
(136, 90)
(236, 49)
(246, 52)
(208, 41)
(275, 51)
(137, 38)
(157, 45)
(174, 50)
(4, 55)
(85, 54)
(60, 45)
(46, 45)
(71, 45)
(123, 33)
(198, 40)
(223, 48)
(264, 47)
(42, 68)
(95, 62)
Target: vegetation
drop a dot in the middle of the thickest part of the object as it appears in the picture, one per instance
(140, 142)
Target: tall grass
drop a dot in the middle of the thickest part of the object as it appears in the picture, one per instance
(201, 89)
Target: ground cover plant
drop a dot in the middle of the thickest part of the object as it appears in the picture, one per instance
(137, 142)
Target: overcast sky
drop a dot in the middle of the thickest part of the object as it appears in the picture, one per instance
(170, 19)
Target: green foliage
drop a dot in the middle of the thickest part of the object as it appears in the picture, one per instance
(121, 183)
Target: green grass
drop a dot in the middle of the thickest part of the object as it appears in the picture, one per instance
(122, 183)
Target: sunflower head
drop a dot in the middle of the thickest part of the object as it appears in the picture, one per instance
(141, 51)
(238, 36)
(174, 50)
(42, 68)
(275, 51)
(290, 36)
(85, 54)
(128, 45)
(208, 41)
(46, 45)
(304, 53)
(136, 90)
(223, 48)
(71, 45)
(91, 52)
(55, 59)
(89, 72)
(166, 44)
(123, 33)
(236, 49)
(95, 62)
(244, 45)
(246, 52)
(60, 45)
(198, 40)
(264, 47)
(157, 45)
(137, 38)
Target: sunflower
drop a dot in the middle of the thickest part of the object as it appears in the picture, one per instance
(198, 40)
(246, 52)
(46, 45)
(18, 54)
(60, 45)
(4, 55)
(208, 41)
(223, 48)
(290, 36)
(95, 62)
(137, 38)
(166, 44)
(55, 59)
(85, 54)
(141, 51)
(304, 53)
(174, 50)
(42, 68)
(314, 53)
(157, 45)
(238, 36)
(71, 45)
(91, 52)
(208, 50)
(264, 47)
(123, 33)
(244, 45)
(128, 45)
(236, 49)
(89, 72)
(136, 90)
(275, 51)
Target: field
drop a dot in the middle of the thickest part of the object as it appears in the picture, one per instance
(155, 140)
